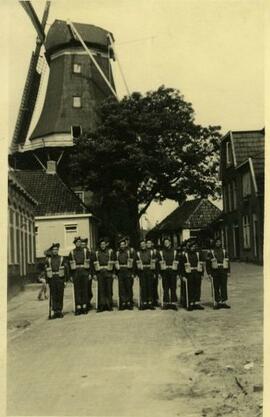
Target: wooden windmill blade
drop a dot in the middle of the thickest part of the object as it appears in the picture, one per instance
(32, 82)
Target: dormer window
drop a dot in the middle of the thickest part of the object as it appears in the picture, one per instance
(229, 159)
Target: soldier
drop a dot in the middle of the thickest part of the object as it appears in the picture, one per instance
(150, 246)
(90, 292)
(133, 255)
(146, 266)
(168, 260)
(218, 269)
(192, 270)
(103, 260)
(79, 260)
(124, 266)
(56, 274)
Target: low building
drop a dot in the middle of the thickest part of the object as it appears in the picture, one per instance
(21, 235)
(242, 176)
(188, 221)
(60, 215)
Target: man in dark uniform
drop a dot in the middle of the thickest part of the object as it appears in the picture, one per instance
(133, 256)
(103, 260)
(90, 292)
(146, 267)
(79, 260)
(56, 276)
(168, 265)
(124, 266)
(192, 270)
(150, 246)
(218, 269)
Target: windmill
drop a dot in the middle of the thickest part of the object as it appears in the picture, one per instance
(80, 77)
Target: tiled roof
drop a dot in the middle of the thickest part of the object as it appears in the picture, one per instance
(247, 144)
(52, 194)
(191, 214)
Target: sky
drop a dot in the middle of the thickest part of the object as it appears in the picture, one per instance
(212, 51)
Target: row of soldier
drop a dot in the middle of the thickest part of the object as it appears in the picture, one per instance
(151, 266)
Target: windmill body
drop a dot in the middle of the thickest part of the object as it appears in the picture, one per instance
(74, 92)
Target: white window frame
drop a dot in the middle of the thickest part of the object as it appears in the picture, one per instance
(246, 231)
(67, 232)
(77, 68)
(77, 102)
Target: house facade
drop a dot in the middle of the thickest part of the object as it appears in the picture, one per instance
(21, 235)
(242, 176)
(189, 220)
(60, 215)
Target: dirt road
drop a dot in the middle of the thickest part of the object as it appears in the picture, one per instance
(140, 363)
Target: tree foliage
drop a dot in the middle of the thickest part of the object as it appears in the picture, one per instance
(148, 147)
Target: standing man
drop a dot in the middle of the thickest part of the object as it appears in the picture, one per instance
(124, 266)
(79, 261)
(150, 245)
(192, 270)
(90, 292)
(56, 274)
(133, 256)
(146, 266)
(103, 261)
(168, 260)
(218, 269)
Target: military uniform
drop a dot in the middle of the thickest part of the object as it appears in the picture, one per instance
(168, 264)
(56, 276)
(218, 267)
(103, 260)
(191, 271)
(146, 268)
(125, 269)
(90, 291)
(79, 259)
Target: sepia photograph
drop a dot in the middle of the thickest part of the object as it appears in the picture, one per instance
(135, 208)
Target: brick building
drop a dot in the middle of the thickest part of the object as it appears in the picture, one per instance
(242, 176)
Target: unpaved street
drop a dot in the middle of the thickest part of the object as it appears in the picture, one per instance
(139, 363)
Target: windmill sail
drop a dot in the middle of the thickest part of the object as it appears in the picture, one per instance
(31, 89)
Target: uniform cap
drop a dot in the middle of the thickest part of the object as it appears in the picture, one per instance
(55, 245)
(76, 239)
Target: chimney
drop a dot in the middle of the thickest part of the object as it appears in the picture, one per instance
(51, 167)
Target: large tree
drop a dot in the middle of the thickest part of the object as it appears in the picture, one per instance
(147, 147)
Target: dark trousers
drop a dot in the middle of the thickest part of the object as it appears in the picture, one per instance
(146, 285)
(125, 282)
(193, 282)
(105, 283)
(169, 286)
(57, 293)
(220, 279)
(155, 289)
(80, 281)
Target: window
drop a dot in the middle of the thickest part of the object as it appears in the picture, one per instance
(76, 131)
(225, 205)
(228, 153)
(246, 184)
(77, 102)
(77, 68)
(234, 195)
(11, 238)
(229, 197)
(80, 194)
(246, 232)
(71, 231)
